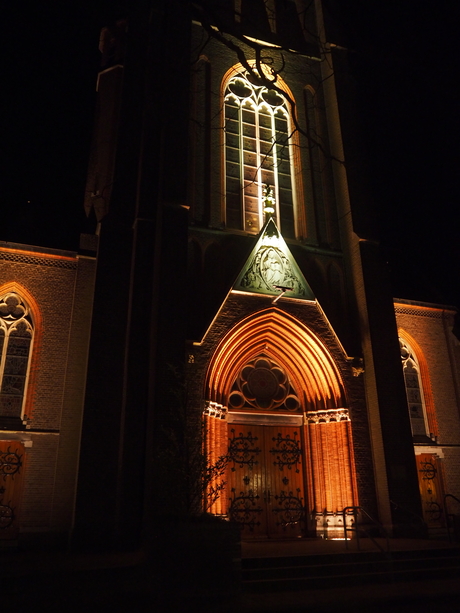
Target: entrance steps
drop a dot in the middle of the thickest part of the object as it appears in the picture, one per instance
(438, 534)
(330, 565)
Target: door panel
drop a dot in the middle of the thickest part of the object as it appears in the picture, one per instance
(245, 479)
(265, 481)
(11, 475)
(284, 481)
(431, 490)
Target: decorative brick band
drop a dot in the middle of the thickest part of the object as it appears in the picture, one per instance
(213, 409)
(325, 417)
(39, 261)
(420, 312)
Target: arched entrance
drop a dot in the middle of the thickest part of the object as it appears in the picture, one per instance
(276, 412)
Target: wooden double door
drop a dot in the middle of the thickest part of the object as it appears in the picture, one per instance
(265, 481)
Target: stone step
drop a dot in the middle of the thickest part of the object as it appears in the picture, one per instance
(304, 572)
(347, 557)
(346, 580)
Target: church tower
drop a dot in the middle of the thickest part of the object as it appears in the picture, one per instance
(239, 282)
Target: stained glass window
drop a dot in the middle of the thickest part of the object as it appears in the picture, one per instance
(16, 334)
(414, 390)
(258, 152)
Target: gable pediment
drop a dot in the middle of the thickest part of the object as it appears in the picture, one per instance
(271, 268)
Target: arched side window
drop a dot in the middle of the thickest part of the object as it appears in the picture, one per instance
(414, 390)
(258, 152)
(16, 336)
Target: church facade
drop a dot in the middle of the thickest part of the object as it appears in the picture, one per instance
(239, 295)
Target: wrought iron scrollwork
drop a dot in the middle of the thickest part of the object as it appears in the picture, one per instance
(10, 463)
(242, 450)
(290, 510)
(287, 451)
(429, 471)
(245, 510)
(7, 516)
(434, 510)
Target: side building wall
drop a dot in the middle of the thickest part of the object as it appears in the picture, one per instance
(428, 329)
(59, 287)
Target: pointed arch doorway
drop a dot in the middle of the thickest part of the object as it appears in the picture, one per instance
(268, 384)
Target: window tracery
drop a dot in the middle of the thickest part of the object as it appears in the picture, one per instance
(258, 152)
(16, 335)
(414, 389)
(263, 384)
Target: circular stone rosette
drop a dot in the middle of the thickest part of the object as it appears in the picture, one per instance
(262, 384)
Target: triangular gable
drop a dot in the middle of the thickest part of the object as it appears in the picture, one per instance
(271, 268)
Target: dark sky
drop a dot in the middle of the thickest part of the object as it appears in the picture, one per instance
(407, 63)
(50, 60)
(409, 66)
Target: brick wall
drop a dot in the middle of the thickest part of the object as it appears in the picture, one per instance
(73, 397)
(39, 480)
(431, 329)
(61, 285)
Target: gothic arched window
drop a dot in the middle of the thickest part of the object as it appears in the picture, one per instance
(258, 152)
(414, 390)
(16, 335)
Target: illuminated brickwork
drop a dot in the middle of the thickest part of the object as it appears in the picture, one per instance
(58, 288)
(332, 458)
(336, 440)
(216, 433)
(429, 329)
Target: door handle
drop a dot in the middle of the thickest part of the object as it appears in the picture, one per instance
(267, 496)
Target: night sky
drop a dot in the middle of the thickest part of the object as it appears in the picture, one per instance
(407, 62)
